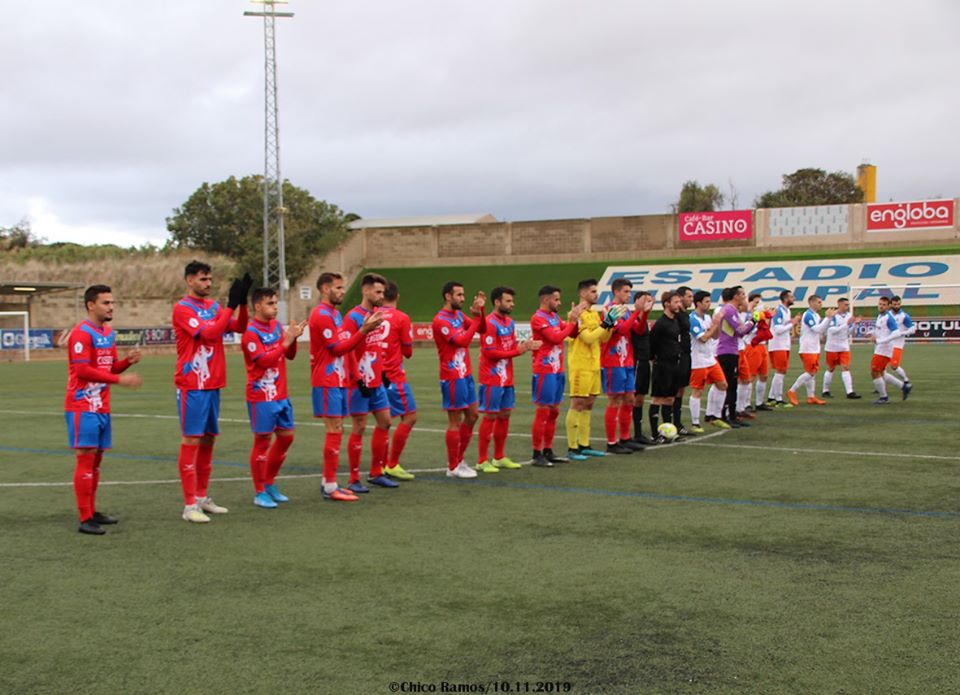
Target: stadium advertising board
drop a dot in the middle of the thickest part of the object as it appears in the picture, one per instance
(713, 226)
(907, 276)
(40, 339)
(917, 214)
(423, 332)
(938, 328)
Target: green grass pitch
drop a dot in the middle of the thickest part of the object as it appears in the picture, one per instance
(815, 552)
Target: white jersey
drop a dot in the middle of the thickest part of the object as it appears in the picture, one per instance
(744, 340)
(886, 331)
(702, 354)
(906, 326)
(838, 333)
(781, 327)
(715, 340)
(812, 327)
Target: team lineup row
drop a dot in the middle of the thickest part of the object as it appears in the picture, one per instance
(356, 367)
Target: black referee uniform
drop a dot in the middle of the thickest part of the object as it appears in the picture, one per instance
(641, 359)
(683, 319)
(665, 349)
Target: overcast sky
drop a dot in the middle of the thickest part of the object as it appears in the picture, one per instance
(114, 112)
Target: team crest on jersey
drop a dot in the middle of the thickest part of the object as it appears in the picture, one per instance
(489, 340)
(445, 330)
(251, 347)
(193, 323)
(327, 333)
(78, 347)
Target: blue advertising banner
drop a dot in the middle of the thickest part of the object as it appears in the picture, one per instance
(40, 339)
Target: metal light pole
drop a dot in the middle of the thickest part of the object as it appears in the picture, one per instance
(274, 257)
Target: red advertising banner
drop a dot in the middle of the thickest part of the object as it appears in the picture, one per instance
(422, 332)
(917, 214)
(711, 226)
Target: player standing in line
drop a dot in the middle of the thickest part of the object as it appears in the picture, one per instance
(397, 345)
(665, 349)
(92, 366)
(745, 373)
(549, 379)
(838, 349)
(781, 325)
(618, 371)
(728, 350)
(498, 347)
(332, 373)
(704, 367)
(683, 318)
(584, 367)
(757, 356)
(886, 331)
(907, 327)
(369, 395)
(199, 324)
(266, 349)
(812, 327)
(641, 361)
(452, 334)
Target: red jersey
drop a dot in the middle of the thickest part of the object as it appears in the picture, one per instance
(397, 344)
(199, 325)
(452, 334)
(92, 365)
(368, 354)
(618, 351)
(552, 330)
(498, 347)
(266, 361)
(331, 349)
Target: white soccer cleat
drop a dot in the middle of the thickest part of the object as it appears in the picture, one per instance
(464, 471)
(193, 514)
(208, 505)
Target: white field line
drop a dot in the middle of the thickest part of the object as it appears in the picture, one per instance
(828, 451)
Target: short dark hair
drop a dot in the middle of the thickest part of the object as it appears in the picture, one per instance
(448, 287)
(683, 289)
(585, 284)
(372, 279)
(895, 298)
(884, 298)
(641, 293)
(699, 296)
(497, 292)
(92, 292)
(754, 295)
(196, 267)
(667, 296)
(262, 293)
(391, 291)
(620, 282)
(814, 296)
(783, 295)
(547, 289)
(842, 299)
(327, 279)
(728, 293)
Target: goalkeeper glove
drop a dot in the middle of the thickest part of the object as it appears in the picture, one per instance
(385, 379)
(364, 389)
(245, 284)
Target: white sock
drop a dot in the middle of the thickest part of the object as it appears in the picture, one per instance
(761, 387)
(743, 397)
(811, 385)
(902, 374)
(827, 379)
(776, 387)
(694, 403)
(880, 387)
(892, 380)
(715, 399)
(847, 381)
(801, 380)
(329, 487)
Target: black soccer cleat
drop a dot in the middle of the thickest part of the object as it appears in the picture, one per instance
(853, 395)
(684, 432)
(827, 394)
(630, 444)
(643, 440)
(104, 519)
(764, 407)
(617, 449)
(540, 461)
(906, 389)
(553, 458)
(91, 527)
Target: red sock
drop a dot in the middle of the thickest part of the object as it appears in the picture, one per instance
(610, 423)
(539, 427)
(258, 459)
(204, 466)
(187, 463)
(331, 456)
(551, 428)
(354, 454)
(96, 478)
(400, 436)
(466, 434)
(626, 419)
(379, 443)
(486, 434)
(275, 458)
(453, 448)
(83, 483)
(500, 437)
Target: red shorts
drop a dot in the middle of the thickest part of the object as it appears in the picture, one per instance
(895, 360)
(757, 357)
(838, 359)
(811, 363)
(706, 375)
(878, 363)
(780, 360)
(743, 367)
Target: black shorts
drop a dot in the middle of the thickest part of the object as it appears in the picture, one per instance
(643, 378)
(666, 380)
(684, 377)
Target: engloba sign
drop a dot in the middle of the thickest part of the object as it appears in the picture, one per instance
(918, 214)
(713, 226)
(911, 277)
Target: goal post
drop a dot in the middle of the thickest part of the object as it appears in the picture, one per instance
(24, 322)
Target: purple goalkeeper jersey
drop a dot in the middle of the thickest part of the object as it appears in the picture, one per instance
(730, 329)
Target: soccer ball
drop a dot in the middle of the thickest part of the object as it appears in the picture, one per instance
(668, 431)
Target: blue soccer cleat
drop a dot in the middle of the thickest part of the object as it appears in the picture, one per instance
(275, 494)
(358, 488)
(262, 499)
(383, 481)
(587, 451)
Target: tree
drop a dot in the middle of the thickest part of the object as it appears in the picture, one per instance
(227, 218)
(19, 236)
(812, 187)
(697, 198)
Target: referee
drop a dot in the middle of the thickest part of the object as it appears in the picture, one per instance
(665, 349)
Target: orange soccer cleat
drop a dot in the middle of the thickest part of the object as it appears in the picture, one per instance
(815, 401)
(792, 395)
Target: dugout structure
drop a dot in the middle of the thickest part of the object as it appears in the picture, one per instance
(15, 314)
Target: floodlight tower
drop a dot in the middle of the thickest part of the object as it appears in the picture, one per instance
(274, 257)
